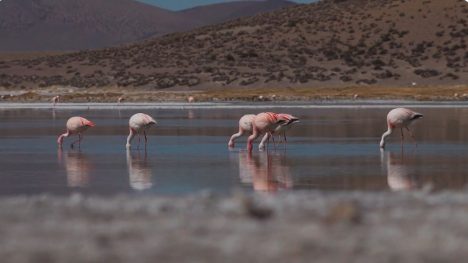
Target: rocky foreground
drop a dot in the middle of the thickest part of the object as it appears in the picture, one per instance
(289, 227)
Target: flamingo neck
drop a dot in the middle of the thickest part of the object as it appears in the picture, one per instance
(130, 137)
(60, 138)
(384, 136)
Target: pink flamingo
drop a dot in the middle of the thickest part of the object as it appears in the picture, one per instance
(245, 126)
(285, 126)
(75, 125)
(264, 123)
(139, 123)
(399, 118)
(120, 99)
(56, 100)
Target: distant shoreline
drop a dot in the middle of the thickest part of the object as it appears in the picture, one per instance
(240, 105)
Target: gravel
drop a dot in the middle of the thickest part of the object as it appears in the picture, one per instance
(261, 227)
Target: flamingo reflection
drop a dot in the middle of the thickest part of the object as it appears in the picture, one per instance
(265, 171)
(399, 176)
(78, 168)
(139, 172)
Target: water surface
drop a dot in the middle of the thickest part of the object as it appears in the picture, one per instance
(331, 149)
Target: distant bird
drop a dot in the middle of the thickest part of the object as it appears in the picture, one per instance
(191, 99)
(120, 99)
(399, 118)
(55, 100)
(139, 123)
(264, 123)
(75, 125)
(281, 129)
(245, 126)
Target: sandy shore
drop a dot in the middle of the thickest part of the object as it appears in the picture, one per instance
(250, 94)
(289, 227)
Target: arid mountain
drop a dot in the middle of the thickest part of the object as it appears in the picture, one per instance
(80, 24)
(34, 25)
(217, 13)
(329, 43)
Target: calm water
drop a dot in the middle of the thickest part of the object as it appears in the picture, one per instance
(331, 149)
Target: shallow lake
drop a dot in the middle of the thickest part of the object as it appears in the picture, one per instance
(332, 148)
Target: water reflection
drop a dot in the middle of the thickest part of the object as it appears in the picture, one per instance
(265, 171)
(399, 174)
(78, 168)
(139, 171)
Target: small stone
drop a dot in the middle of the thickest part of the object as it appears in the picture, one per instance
(347, 212)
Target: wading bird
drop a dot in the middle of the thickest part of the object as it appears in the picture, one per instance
(55, 100)
(264, 123)
(399, 118)
(75, 125)
(120, 99)
(245, 126)
(139, 123)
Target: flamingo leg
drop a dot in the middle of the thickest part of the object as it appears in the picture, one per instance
(146, 139)
(285, 140)
(80, 137)
(402, 137)
(139, 140)
(72, 145)
(412, 136)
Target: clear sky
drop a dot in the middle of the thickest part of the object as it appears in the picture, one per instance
(183, 4)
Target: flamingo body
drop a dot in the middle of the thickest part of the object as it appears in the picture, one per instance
(399, 118)
(139, 123)
(75, 125)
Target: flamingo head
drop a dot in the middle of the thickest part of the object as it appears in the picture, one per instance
(89, 123)
(152, 122)
(284, 119)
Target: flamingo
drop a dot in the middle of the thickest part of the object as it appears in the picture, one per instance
(264, 123)
(245, 125)
(120, 99)
(399, 118)
(139, 123)
(56, 100)
(285, 126)
(75, 125)
(190, 99)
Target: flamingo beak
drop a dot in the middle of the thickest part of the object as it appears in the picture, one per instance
(90, 124)
(294, 120)
(280, 122)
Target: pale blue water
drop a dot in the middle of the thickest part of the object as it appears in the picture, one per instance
(331, 149)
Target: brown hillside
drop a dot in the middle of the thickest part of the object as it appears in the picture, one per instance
(328, 43)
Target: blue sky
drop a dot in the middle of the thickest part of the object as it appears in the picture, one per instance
(183, 4)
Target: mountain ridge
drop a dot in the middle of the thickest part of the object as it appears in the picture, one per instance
(34, 25)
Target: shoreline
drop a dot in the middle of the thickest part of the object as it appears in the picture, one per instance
(239, 105)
